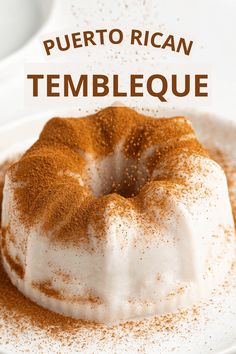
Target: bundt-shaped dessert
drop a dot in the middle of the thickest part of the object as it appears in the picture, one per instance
(116, 216)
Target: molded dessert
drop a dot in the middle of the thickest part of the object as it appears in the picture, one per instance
(116, 216)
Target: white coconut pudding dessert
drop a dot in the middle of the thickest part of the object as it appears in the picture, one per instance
(116, 216)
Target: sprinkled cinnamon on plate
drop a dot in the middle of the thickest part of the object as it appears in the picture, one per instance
(39, 328)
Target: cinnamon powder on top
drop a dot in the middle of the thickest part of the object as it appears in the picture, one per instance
(47, 169)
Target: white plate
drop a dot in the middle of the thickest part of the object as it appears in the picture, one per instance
(213, 332)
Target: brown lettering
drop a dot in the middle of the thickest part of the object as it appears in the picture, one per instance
(186, 49)
(76, 39)
(102, 84)
(101, 33)
(116, 92)
(186, 90)
(48, 45)
(160, 94)
(134, 85)
(156, 34)
(67, 43)
(69, 84)
(120, 36)
(88, 37)
(135, 36)
(199, 85)
(51, 85)
(169, 42)
(35, 79)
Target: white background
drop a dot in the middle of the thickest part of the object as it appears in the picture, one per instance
(211, 24)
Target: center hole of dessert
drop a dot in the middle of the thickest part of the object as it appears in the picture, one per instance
(116, 174)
